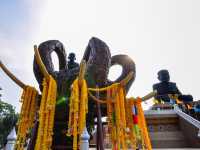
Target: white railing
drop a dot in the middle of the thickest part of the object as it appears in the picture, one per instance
(187, 117)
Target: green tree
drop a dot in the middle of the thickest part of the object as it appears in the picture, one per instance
(8, 119)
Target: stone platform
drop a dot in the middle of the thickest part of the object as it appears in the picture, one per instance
(168, 129)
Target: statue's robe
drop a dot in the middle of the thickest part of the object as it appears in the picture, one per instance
(165, 88)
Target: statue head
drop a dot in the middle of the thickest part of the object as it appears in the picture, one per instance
(163, 75)
(72, 57)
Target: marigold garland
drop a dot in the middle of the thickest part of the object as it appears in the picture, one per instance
(46, 114)
(116, 116)
(78, 109)
(27, 115)
(126, 122)
(142, 124)
(132, 136)
(139, 123)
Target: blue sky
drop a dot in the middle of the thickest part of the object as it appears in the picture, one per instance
(13, 15)
(16, 38)
(155, 34)
(16, 18)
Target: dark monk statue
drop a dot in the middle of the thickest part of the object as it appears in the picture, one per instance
(71, 63)
(165, 87)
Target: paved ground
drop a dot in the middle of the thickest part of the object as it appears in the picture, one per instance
(176, 148)
(159, 149)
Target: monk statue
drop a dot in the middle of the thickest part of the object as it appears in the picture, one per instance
(71, 62)
(165, 87)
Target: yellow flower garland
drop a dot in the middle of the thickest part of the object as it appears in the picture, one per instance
(129, 120)
(116, 115)
(142, 124)
(145, 140)
(78, 109)
(120, 119)
(119, 112)
(27, 115)
(46, 114)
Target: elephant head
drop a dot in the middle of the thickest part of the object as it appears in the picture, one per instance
(99, 61)
(97, 56)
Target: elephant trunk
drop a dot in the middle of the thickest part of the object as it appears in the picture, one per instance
(97, 56)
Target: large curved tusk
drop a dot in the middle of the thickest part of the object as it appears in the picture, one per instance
(127, 79)
(82, 71)
(15, 79)
(40, 63)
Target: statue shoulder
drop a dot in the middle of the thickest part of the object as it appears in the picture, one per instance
(173, 84)
(155, 86)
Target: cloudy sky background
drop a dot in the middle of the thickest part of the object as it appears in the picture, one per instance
(155, 34)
